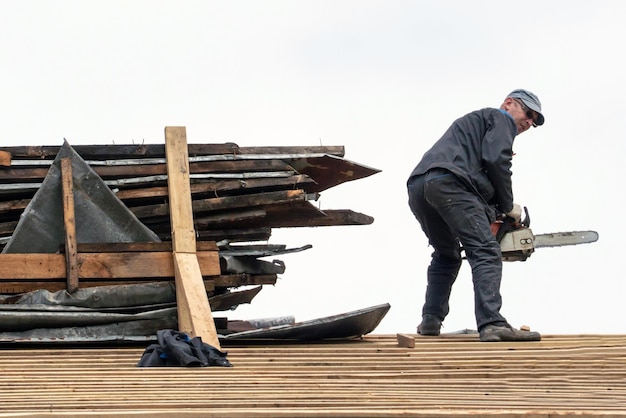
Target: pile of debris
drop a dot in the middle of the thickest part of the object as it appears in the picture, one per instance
(238, 195)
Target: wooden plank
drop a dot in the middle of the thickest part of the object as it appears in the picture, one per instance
(69, 220)
(27, 266)
(405, 340)
(5, 159)
(338, 151)
(100, 265)
(194, 311)
(141, 264)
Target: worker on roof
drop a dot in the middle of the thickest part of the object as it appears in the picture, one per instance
(455, 192)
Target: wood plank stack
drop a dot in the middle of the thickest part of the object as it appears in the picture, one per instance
(238, 195)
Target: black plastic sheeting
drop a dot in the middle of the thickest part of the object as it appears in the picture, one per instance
(104, 313)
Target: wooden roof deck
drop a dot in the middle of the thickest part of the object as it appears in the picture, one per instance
(451, 375)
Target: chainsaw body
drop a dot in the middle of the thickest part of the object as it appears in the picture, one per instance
(517, 241)
(517, 245)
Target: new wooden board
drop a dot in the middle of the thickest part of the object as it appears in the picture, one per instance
(194, 311)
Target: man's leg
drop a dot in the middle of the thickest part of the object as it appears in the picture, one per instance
(446, 259)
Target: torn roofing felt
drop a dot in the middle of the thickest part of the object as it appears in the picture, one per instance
(100, 216)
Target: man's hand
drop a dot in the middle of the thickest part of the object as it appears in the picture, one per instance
(515, 213)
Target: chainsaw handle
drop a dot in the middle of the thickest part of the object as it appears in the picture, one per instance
(509, 224)
(526, 221)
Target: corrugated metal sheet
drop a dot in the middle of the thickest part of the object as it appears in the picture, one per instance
(451, 375)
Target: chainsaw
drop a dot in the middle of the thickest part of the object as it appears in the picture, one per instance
(518, 242)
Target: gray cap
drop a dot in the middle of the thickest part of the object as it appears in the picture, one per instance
(531, 100)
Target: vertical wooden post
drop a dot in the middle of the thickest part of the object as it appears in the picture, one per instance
(194, 312)
(71, 254)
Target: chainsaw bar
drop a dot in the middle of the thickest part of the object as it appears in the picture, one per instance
(559, 239)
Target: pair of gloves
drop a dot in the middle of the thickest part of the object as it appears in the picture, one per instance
(515, 213)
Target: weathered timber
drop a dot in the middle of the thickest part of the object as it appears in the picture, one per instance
(338, 151)
(228, 202)
(138, 247)
(220, 187)
(7, 228)
(236, 235)
(111, 151)
(332, 217)
(123, 171)
(71, 256)
(13, 205)
(11, 209)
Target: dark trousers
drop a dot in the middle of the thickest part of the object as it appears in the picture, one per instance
(451, 215)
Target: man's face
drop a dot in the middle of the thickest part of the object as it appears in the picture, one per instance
(523, 116)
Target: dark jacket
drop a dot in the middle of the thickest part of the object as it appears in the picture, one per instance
(175, 348)
(477, 148)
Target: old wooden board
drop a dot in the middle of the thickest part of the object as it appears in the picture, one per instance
(69, 220)
(225, 203)
(115, 151)
(126, 169)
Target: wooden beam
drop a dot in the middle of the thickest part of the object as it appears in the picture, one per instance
(69, 220)
(115, 265)
(194, 312)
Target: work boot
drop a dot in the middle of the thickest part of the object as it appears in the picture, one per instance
(496, 333)
(431, 325)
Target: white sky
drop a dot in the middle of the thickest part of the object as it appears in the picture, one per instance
(384, 79)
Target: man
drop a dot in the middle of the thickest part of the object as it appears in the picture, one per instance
(456, 192)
